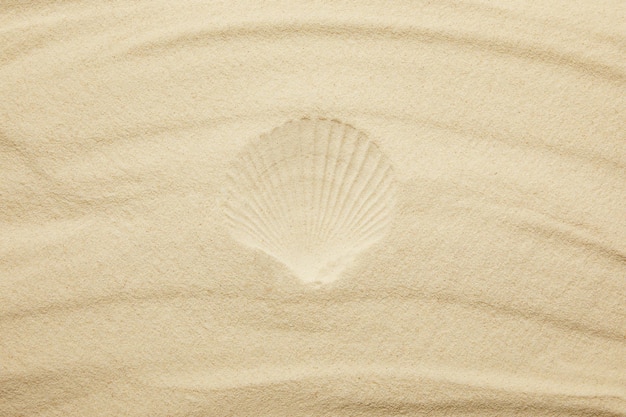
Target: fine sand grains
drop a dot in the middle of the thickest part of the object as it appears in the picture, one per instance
(157, 250)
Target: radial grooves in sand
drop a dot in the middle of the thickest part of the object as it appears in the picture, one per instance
(335, 181)
(364, 197)
(349, 173)
(274, 161)
(328, 173)
(253, 209)
(351, 197)
(260, 198)
(271, 185)
(312, 194)
(369, 201)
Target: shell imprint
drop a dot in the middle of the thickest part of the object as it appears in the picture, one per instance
(313, 194)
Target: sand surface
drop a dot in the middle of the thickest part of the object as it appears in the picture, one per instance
(498, 289)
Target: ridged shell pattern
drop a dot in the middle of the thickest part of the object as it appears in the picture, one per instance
(313, 194)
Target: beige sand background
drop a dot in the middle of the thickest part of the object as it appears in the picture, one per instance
(499, 291)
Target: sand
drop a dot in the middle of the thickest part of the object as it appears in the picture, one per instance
(498, 288)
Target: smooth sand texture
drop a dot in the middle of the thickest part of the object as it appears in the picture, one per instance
(499, 290)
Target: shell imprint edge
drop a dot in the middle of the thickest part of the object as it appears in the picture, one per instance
(313, 194)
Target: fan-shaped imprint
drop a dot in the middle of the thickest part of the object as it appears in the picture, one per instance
(313, 194)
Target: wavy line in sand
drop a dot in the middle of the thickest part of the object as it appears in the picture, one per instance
(338, 389)
(367, 380)
(339, 295)
(363, 31)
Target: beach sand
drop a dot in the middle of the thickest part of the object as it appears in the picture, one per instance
(498, 288)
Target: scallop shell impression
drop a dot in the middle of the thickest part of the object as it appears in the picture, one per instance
(313, 194)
